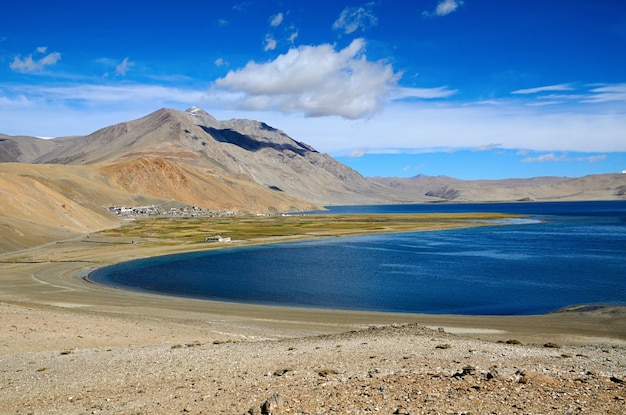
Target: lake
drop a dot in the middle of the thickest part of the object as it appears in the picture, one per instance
(564, 253)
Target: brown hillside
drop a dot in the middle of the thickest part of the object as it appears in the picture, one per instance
(190, 185)
(42, 203)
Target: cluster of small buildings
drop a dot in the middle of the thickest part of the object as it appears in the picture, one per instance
(151, 210)
(134, 210)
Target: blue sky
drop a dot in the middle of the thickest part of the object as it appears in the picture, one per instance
(470, 89)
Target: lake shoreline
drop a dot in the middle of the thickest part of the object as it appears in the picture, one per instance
(71, 346)
(56, 275)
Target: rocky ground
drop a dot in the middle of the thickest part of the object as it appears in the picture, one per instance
(71, 347)
(395, 369)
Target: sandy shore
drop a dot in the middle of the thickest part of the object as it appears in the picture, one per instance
(71, 346)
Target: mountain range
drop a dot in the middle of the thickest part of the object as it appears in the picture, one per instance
(58, 188)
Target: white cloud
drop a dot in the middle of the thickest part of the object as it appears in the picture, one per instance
(353, 18)
(82, 108)
(313, 80)
(220, 62)
(608, 93)
(97, 95)
(549, 157)
(563, 97)
(292, 37)
(418, 125)
(270, 43)
(444, 7)
(243, 6)
(543, 103)
(447, 6)
(486, 147)
(123, 67)
(403, 127)
(357, 153)
(559, 87)
(28, 64)
(593, 159)
(423, 93)
(276, 20)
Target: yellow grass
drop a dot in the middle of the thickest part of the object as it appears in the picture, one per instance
(258, 229)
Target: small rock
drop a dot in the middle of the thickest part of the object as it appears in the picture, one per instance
(538, 378)
(281, 372)
(552, 345)
(467, 370)
(492, 374)
(271, 404)
(327, 372)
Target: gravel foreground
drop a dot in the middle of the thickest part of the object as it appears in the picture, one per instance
(68, 346)
(391, 369)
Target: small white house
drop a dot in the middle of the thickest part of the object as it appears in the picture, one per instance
(217, 238)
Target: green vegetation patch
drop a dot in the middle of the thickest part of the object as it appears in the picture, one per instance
(259, 229)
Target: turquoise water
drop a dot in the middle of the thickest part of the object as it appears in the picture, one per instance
(563, 254)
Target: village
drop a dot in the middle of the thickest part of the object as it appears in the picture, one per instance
(183, 211)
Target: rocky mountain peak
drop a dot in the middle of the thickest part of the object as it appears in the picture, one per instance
(202, 118)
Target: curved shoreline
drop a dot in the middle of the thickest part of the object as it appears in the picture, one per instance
(71, 346)
(52, 278)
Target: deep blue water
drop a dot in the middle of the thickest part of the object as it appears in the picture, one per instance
(568, 254)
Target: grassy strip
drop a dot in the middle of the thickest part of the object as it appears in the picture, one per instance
(257, 229)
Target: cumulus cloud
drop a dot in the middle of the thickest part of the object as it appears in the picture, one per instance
(559, 87)
(353, 18)
(30, 64)
(220, 62)
(444, 7)
(276, 20)
(123, 67)
(313, 80)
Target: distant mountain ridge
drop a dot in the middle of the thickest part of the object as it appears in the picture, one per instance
(443, 188)
(62, 186)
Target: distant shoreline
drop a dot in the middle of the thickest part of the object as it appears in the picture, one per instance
(540, 306)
